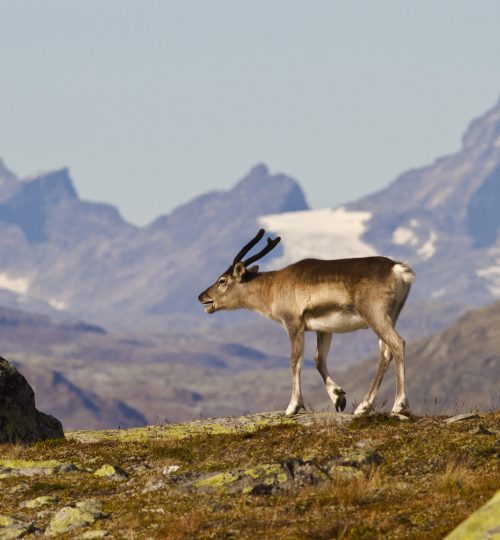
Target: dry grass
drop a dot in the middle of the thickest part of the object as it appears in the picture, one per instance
(12, 451)
(349, 492)
(430, 478)
(457, 474)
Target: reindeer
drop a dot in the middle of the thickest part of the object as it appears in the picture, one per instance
(326, 297)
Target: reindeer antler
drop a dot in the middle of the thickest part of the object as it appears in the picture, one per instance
(271, 244)
(246, 248)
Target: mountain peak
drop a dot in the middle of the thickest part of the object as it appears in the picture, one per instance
(260, 184)
(53, 186)
(261, 169)
(30, 206)
(484, 130)
(5, 173)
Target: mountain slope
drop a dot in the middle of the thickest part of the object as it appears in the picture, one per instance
(76, 407)
(83, 258)
(443, 219)
(86, 376)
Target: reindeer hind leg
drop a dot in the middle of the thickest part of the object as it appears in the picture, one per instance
(384, 359)
(378, 319)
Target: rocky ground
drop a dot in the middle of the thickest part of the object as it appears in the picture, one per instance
(317, 475)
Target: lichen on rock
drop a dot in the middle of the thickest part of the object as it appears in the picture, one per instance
(74, 517)
(11, 528)
(44, 500)
(21, 467)
(111, 471)
(483, 523)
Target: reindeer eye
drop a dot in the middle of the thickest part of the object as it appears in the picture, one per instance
(222, 280)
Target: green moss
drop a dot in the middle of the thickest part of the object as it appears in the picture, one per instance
(51, 443)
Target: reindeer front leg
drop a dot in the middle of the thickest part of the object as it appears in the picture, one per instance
(337, 395)
(296, 357)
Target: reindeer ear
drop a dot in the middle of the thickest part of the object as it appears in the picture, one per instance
(239, 271)
(254, 269)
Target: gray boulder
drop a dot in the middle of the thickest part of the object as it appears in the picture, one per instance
(20, 421)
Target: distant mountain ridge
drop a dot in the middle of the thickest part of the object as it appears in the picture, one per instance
(443, 218)
(85, 259)
(75, 259)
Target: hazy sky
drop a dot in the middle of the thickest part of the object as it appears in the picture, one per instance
(153, 102)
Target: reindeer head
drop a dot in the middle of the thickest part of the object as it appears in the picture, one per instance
(229, 289)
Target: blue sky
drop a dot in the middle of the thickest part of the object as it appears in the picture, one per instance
(151, 103)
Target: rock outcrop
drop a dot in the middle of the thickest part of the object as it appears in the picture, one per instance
(20, 421)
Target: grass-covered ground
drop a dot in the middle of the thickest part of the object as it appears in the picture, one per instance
(431, 476)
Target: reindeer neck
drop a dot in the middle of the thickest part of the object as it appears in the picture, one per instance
(258, 292)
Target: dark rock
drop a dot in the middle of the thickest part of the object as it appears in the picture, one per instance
(481, 430)
(20, 421)
(361, 458)
(274, 478)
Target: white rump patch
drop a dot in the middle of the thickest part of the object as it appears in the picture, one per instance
(405, 272)
(18, 285)
(322, 234)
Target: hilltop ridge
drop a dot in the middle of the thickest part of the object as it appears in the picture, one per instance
(315, 475)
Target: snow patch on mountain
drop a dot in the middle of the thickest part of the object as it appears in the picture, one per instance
(18, 285)
(60, 305)
(323, 234)
(414, 235)
(428, 249)
(492, 275)
(402, 236)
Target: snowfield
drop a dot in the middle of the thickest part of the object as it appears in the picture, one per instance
(492, 276)
(18, 285)
(409, 236)
(321, 234)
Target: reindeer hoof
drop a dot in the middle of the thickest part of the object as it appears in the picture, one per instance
(294, 409)
(363, 409)
(341, 402)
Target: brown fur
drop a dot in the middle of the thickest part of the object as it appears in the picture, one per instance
(326, 296)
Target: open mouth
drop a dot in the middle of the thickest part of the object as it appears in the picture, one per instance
(208, 306)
